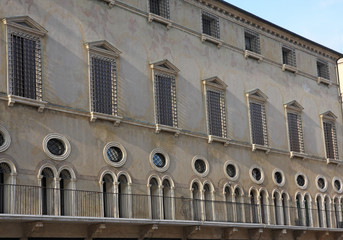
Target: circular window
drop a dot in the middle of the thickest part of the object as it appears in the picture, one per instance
(256, 174)
(278, 177)
(321, 183)
(337, 184)
(5, 139)
(200, 166)
(301, 180)
(159, 160)
(114, 154)
(231, 170)
(56, 146)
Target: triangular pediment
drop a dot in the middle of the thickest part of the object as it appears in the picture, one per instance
(25, 23)
(329, 115)
(294, 105)
(257, 94)
(164, 65)
(103, 47)
(215, 82)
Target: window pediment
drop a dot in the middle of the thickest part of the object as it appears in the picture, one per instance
(294, 105)
(104, 48)
(164, 66)
(25, 23)
(328, 115)
(215, 82)
(257, 94)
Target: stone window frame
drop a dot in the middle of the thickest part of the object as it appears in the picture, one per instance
(166, 156)
(63, 139)
(123, 150)
(259, 182)
(294, 107)
(160, 18)
(229, 162)
(166, 68)
(7, 139)
(325, 183)
(105, 51)
(258, 97)
(283, 177)
(215, 84)
(27, 28)
(290, 63)
(305, 179)
(333, 184)
(330, 117)
(212, 37)
(204, 174)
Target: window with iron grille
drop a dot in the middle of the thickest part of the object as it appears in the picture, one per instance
(103, 84)
(24, 62)
(323, 69)
(252, 41)
(210, 25)
(295, 133)
(330, 139)
(216, 113)
(258, 123)
(159, 7)
(288, 56)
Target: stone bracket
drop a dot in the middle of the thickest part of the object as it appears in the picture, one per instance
(297, 234)
(146, 231)
(228, 232)
(95, 229)
(279, 234)
(256, 233)
(189, 231)
(33, 227)
(322, 235)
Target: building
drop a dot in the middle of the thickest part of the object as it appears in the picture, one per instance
(183, 119)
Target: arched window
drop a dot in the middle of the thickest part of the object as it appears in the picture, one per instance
(108, 196)
(327, 209)
(285, 209)
(208, 203)
(48, 191)
(123, 197)
(307, 206)
(319, 211)
(5, 188)
(264, 206)
(337, 213)
(278, 208)
(167, 200)
(254, 206)
(239, 205)
(65, 193)
(229, 204)
(196, 202)
(155, 199)
(299, 219)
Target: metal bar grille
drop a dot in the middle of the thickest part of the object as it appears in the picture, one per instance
(103, 85)
(258, 124)
(160, 8)
(165, 95)
(216, 113)
(330, 140)
(252, 41)
(210, 25)
(323, 69)
(295, 132)
(288, 56)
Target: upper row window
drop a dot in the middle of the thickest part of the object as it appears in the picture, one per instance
(159, 7)
(210, 25)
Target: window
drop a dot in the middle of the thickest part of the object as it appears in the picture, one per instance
(103, 58)
(301, 180)
(168, 200)
(295, 130)
(231, 170)
(200, 166)
(208, 203)
(278, 177)
(258, 122)
(47, 192)
(108, 195)
(229, 206)
(321, 183)
(254, 208)
(56, 146)
(308, 210)
(252, 41)
(239, 205)
(216, 108)
(66, 193)
(264, 206)
(288, 56)
(124, 197)
(299, 211)
(159, 160)
(24, 37)
(159, 7)
(196, 202)
(256, 174)
(114, 154)
(210, 25)
(164, 81)
(323, 69)
(330, 138)
(5, 187)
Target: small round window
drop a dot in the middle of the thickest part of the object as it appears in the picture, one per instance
(159, 160)
(5, 139)
(321, 183)
(278, 177)
(200, 166)
(337, 184)
(56, 146)
(114, 154)
(256, 175)
(301, 180)
(231, 170)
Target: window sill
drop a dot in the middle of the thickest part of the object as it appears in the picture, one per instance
(250, 54)
(324, 81)
(293, 154)
(111, 118)
(334, 161)
(166, 128)
(205, 37)
(157, 18)
(260, 147)
(286, 67)
(12, 99)
(212, 138)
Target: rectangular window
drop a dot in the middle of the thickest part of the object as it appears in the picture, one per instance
(295, 132)
(330, 140)
(216, 113)
(165, 99)
(258, 124)
(252, 41)
(323, 69)
(288, 56)
(159, 7)
(210, 25)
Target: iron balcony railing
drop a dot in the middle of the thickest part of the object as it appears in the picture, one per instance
(33, 200)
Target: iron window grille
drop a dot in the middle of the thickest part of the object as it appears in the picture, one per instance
(330, 138)
(252, 41)
(160, 8)
(216, 113)
(210, 25)
(323, 69)
(295, 132)
(258, 123)
(288, 56)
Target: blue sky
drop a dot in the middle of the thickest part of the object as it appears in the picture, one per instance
(318, 20)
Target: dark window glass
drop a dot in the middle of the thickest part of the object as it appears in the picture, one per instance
(159, 160)
(286, 56)
(231, 170)
(278, 177)
(2, 139)
(328, 134)
(293, 131)
(114, 154)
(256, 123)
(301, 180)
(252, 42)
(200, 166)
(159, 7)
(209, 25)
(321, 183)
(164, 101)
(56, 146)
(337, 185)
(256, 173)
(214, 113)
(323, 70)
(23, 67)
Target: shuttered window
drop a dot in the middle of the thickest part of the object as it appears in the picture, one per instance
(159, 7)
(210, 25)
(216, 113)
(330, 140)
(295, 132)
(258, 123)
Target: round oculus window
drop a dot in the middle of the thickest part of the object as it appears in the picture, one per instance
(256, 173)
(159, 160)
(114, 154)
(337, 185)
(321, 183)
(278, 177)
(231, 170)
(200, 166)
(2, 139)
(56, 146)
(301, 180)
